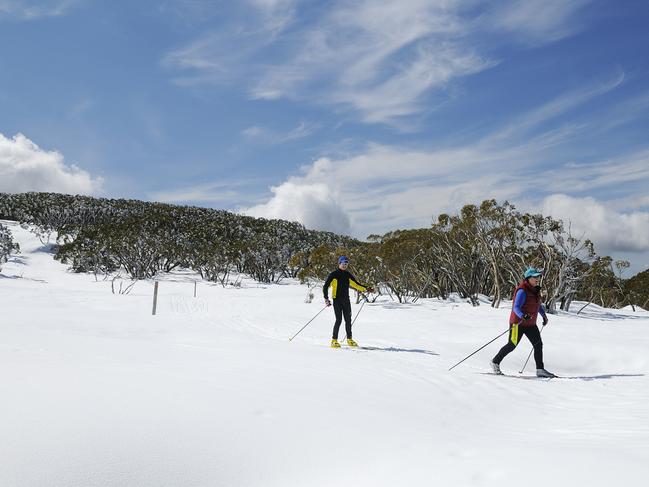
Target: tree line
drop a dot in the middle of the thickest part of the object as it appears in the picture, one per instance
(481, 250)
(142, 239)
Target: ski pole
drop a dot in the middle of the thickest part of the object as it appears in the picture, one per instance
(358, 312)
(528, 357)
(308, 323)
(506, 331)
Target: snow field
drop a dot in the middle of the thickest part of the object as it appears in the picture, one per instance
(210, 392)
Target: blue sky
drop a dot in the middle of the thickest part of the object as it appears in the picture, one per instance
(353, 116)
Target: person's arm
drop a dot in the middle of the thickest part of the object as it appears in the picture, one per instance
(353, 283)
(325, 288)
(545, 317)
(519, 301)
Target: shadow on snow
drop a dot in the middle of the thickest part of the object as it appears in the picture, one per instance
(599, 377)
(394, 349)
(571, 377)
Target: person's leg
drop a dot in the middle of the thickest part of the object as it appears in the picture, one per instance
(511, 345)
(534, 336)
(347, 313)
(338, 311)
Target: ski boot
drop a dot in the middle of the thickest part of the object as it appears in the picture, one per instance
(495, 368)
(351, 343)
(334, 343)
(544, 373)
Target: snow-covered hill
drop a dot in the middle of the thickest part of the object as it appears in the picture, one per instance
(210, 392)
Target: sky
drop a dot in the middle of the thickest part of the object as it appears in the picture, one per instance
(358, 117)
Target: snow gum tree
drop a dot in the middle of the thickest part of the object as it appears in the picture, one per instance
(7, 245)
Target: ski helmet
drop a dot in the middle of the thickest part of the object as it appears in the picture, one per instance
(532, 272)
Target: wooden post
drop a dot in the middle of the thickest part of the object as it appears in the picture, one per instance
(194, 288)
(155, 297)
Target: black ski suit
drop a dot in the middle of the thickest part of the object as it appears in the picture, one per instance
(340, 281)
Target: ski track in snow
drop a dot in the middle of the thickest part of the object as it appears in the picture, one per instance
(97, 392)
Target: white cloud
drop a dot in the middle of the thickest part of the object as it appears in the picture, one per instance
(276, 14)
(268, 136)
(224, 55)
(399, 95)
(560, 105)
(26, 167)
(386, 188)
(610, 230)
(33, 9)
(314, 205)
(212, 192)
(405, 188)
(376, 59)
(189, 11)
(81, 107)
(204, 55)
(536, 21)
(256, 132)
(408, 187)
(622, 171)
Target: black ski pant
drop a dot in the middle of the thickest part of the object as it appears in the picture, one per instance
(533, 335)
(342, 307)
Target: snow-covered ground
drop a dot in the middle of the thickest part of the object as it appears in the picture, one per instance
(209, 392)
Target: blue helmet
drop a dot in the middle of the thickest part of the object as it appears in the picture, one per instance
(343, 259)
(532, 272)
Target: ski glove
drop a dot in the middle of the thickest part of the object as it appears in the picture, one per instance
(545, 320)
(370, 289)
(327, 302)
